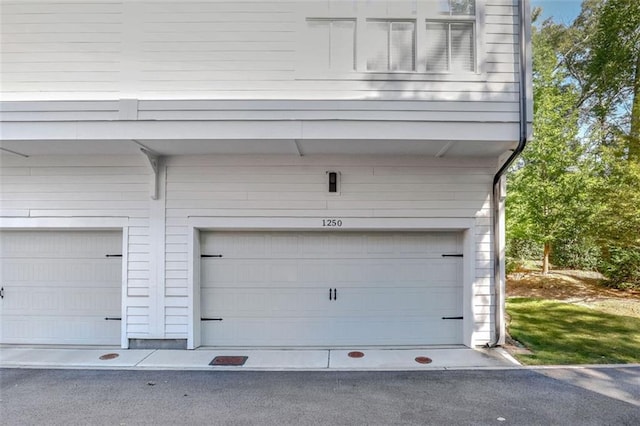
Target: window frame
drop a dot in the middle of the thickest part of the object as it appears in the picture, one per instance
(420, 13)
(463, 16)
(390, 22)
(448, 23)
(330, 21)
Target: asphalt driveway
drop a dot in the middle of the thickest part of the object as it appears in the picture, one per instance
(483, 397)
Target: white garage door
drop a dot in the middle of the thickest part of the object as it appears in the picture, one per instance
(59, 287)
(337, 289)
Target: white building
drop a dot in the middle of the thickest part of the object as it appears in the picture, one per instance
(257, 174)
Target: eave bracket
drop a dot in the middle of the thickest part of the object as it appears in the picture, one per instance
(154, 162)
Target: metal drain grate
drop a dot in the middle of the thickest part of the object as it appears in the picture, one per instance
(231, 361)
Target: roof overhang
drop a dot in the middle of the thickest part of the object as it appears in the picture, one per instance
(300, 147)
(281, 128)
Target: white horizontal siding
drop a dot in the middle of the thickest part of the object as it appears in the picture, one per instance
(279, 186)
(441, 111)
(88, 186)
(58, 46)
(214, 49)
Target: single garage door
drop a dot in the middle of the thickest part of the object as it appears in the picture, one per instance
(330, 289)
(59, 286)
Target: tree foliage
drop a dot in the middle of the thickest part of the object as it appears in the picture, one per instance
(546, 191)
(616, 224)
(577, 186)
(602, 53)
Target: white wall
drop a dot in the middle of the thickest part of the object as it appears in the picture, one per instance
(108, 49)
(156, 297)
(216, 64)
(288, 186)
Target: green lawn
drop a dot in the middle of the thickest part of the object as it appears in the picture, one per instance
(563, 333)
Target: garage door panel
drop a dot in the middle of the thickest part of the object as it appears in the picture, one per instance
(61, 271)
(317, 245)
(252, 273)
(392, 288)
(234, 245)
(278, 332)
(282, 332)
(71, 300)
(397, 331)
(328, 272)
(444, 270)
(425, 303)
(59, 244)
(60, 330)
(59, 286)
(265, 303)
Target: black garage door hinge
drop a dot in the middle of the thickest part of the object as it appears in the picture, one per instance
(112, 319)
(453, 255)
(210, 255)
(112, 255)
(210, 319)
(452, 318)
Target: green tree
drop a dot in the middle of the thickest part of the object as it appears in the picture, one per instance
(602, 53)
(603, 56)
(616, 222)
(547, 189)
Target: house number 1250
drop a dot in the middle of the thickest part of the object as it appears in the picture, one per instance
(331, 223)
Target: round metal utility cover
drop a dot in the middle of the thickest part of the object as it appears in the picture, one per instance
(109, 356)
(423, 360)
(355, 354)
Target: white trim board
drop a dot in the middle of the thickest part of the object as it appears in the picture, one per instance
(316, 223)
(80, 223)
(196, 224)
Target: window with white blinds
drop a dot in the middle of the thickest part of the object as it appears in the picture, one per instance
(457, 7)
(450, 46)
(391, 45)
(439, 36)
(450, 37)
(332, 44)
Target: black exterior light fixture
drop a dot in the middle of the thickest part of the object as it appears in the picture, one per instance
(334, 182)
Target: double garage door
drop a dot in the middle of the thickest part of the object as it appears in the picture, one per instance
(290, 289)
(59, 286)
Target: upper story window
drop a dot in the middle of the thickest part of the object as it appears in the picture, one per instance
(391, 45)
(332, 44)
(457, 7)
(450, 37)
(424, 36)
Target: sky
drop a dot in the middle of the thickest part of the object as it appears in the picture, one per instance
(562, 11)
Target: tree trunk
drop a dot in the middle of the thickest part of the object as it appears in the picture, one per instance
(545, 258)
(634, 135)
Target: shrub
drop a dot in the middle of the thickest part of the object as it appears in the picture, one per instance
(520, 249)
(621, 266)
(576, 253)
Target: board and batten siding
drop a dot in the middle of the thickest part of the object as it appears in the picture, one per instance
(242, 50)
(286, 186)
(88, 187)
